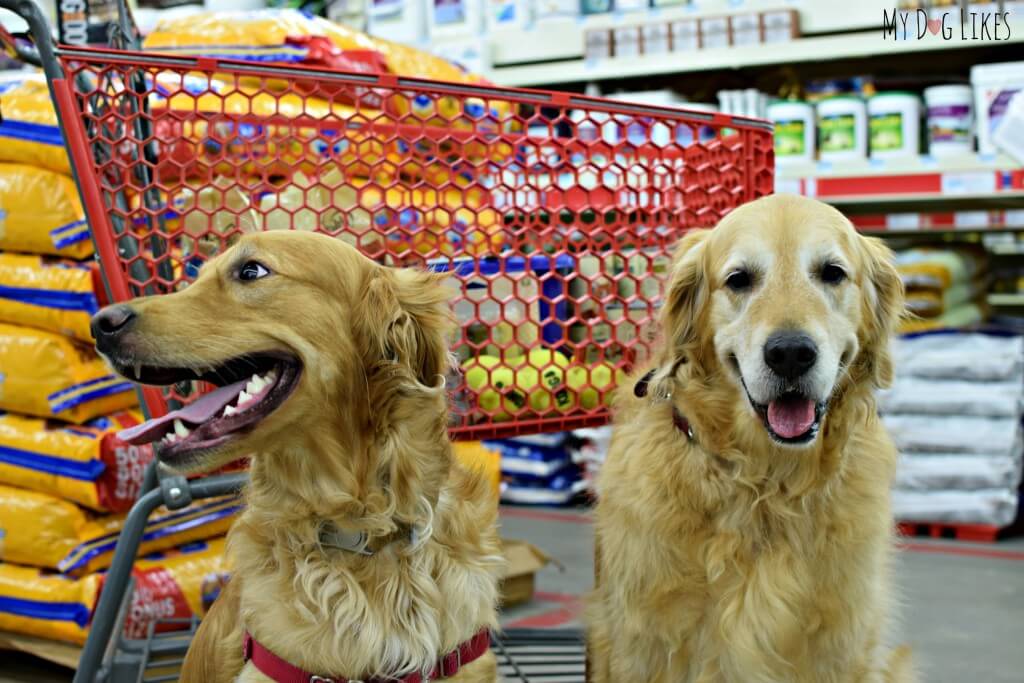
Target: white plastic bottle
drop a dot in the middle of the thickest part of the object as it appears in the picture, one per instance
(842, 128)
(894, 125)
(950, 110)
(794, 131)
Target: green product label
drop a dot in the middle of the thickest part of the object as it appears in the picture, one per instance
(838, 133)
(789, 138)
(886, 132)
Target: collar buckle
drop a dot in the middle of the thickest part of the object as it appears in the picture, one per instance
(455, 658)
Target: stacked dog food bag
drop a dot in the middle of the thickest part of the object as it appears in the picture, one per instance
(539, 470)
(945, 285)
(954, 412)
(65, 479)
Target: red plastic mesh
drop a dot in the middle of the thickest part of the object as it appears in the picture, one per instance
(554, 215)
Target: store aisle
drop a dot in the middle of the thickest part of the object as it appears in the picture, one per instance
(963, 603)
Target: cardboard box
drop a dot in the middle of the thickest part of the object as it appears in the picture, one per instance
(746, 29)
(685, 35)
(780, 26)
(626, 41)
(64, 654)
(715, 32)
(655, 39)
(523, 561)
(597, 44)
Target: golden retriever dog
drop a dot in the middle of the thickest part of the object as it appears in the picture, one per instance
(364, 552)
(743, 523)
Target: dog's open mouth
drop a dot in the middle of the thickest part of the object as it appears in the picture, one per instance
(249, 389)
(791, 418)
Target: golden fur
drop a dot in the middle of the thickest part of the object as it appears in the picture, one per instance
(362, 443)
(735, 557)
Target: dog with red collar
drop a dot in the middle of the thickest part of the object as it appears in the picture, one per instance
(366, 552)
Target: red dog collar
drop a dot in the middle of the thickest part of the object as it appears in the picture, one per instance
(281, 671)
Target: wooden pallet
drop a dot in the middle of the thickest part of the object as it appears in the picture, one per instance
(977, 533)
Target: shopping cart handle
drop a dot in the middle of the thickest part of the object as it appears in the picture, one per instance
(42, 54)
(172, 491)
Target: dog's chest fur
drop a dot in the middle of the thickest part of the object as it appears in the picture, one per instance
(736, 580)
(335, 613)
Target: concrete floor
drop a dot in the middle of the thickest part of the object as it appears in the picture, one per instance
(963, 603)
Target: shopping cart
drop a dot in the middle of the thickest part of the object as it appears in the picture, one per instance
(552, 214)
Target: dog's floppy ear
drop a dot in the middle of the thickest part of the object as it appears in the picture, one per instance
(684, 299)
(409, 322)
(884, 306)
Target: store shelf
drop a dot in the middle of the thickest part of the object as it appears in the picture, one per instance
(803, 50)
(1006, 299)
(920, 184)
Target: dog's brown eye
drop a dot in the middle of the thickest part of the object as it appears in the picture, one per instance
(832, 274)
(738, 280)
(252, 270)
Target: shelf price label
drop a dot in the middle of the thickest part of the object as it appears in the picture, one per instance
(969, 182)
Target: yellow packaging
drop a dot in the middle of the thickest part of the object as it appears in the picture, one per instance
(432, 223)
(225, 145)
(275, 36)
(46, 605)
(44, 531)
(265, 36)
(84, 464)
(53, 295)
(176, 585)
(474, 455)
(29, 133)
(40, 213)
(48, 375)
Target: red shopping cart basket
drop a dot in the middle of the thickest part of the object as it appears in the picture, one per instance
(552, 213)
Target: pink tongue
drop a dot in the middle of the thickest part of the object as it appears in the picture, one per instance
(197, 412)
(791, 418)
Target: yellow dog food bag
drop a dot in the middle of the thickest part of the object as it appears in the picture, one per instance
(474, 455)
(40, 213)
(47, 605)
(175, 585)
(29, 133)
(85, 464)
(284, 36)
(433, 223)
(44, 531)
(275, 36)
(48, 375)
(48, 293)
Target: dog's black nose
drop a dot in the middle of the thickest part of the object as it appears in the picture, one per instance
(790, 354)
(110, 323)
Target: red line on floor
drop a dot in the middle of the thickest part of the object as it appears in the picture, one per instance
(552, 619)
(964, 551)
(544, 596)
(545, 515)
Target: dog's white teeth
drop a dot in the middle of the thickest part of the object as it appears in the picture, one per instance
(256, 384)
(170, 437)
(180, 429)
(230, 410)
(243, 398)
(138, 370)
